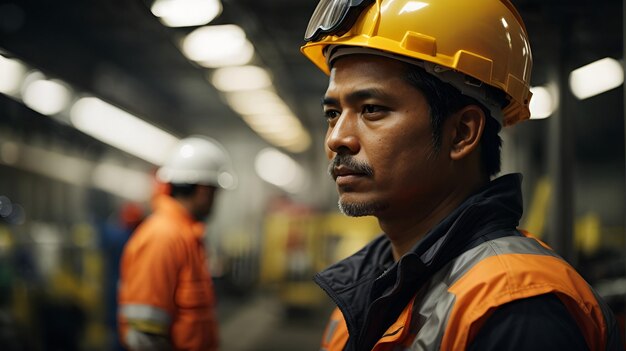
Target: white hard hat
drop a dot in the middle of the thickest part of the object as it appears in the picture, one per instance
(198, 160)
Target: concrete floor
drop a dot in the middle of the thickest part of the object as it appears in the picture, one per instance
(261, 323)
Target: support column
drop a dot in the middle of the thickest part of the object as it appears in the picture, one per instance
(561, 155)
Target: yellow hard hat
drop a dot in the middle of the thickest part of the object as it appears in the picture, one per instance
(483, 39)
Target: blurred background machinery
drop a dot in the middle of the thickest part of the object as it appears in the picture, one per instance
(92, 93)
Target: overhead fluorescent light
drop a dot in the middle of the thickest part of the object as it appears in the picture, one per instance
(273, 124)
(279, 169)
(298, 142)
(46, 96)
(186, 13)
(239, 78)
(596, 78)
(268, 115)
(280, 130)
(114, 179)
(122, 130)
(123, 182)
(218, 46)
(9, 153)
(12, 73)
(72, 170)
(262, 102)
(542, 104)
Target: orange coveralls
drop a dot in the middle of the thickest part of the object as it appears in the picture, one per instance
(165, 286)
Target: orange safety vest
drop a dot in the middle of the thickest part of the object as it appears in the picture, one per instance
(165, 286)
(459, 298)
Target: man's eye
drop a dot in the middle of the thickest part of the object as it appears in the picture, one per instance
(372, 109)
(331, 114)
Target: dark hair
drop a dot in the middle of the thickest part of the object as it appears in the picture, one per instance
(444, 100)
(182, 190)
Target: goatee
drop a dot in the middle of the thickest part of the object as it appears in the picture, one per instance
(361, 209)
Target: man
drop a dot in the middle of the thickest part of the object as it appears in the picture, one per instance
(166, 295)
(417, 94)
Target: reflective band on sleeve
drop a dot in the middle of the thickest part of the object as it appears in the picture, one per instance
(149, 327)
(330, 331)
(138, 340)
(145, 313)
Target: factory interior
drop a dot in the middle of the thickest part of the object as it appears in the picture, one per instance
(93, 93)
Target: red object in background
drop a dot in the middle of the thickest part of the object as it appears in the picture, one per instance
(131, 214)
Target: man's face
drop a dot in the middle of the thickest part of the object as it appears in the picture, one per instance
(379, 140)
(203, 200)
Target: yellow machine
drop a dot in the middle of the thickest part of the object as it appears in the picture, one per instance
(297, 244)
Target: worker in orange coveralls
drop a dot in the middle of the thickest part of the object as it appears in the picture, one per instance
(166, 298)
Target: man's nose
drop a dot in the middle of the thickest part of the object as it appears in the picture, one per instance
(343, 136)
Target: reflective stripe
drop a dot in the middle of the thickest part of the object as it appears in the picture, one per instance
(137, 340)
(434, 302)
(336, 333)
(145, 313)
(149, 327)
(332, 325)
(430, 314)
(500, 246)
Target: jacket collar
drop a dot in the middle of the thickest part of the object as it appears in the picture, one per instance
(371, 289)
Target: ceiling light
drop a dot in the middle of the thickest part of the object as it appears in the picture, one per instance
(121, 181)
(186, 13)
(273, 123)
(122, 130)
(47, 97)
(218, 46)
(268, 115)
(264, 102)
(238, 78)
(282, 131)
(117, 180)
(596, 78)
(542, 104)
(300, 142)
(72, 170)
(279, 169)
(12, 73)
(9, 153)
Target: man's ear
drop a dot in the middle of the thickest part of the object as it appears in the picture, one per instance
(467, 129)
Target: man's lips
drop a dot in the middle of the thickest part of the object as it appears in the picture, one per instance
(342, 172)
(345, 170)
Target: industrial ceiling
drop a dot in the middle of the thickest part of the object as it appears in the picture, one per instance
(118, 50)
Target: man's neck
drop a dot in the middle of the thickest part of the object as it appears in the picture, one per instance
(405, 229)
(187, 204)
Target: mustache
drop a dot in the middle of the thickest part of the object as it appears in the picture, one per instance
(349, 162)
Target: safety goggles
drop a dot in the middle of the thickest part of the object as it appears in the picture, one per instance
(334, 17)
